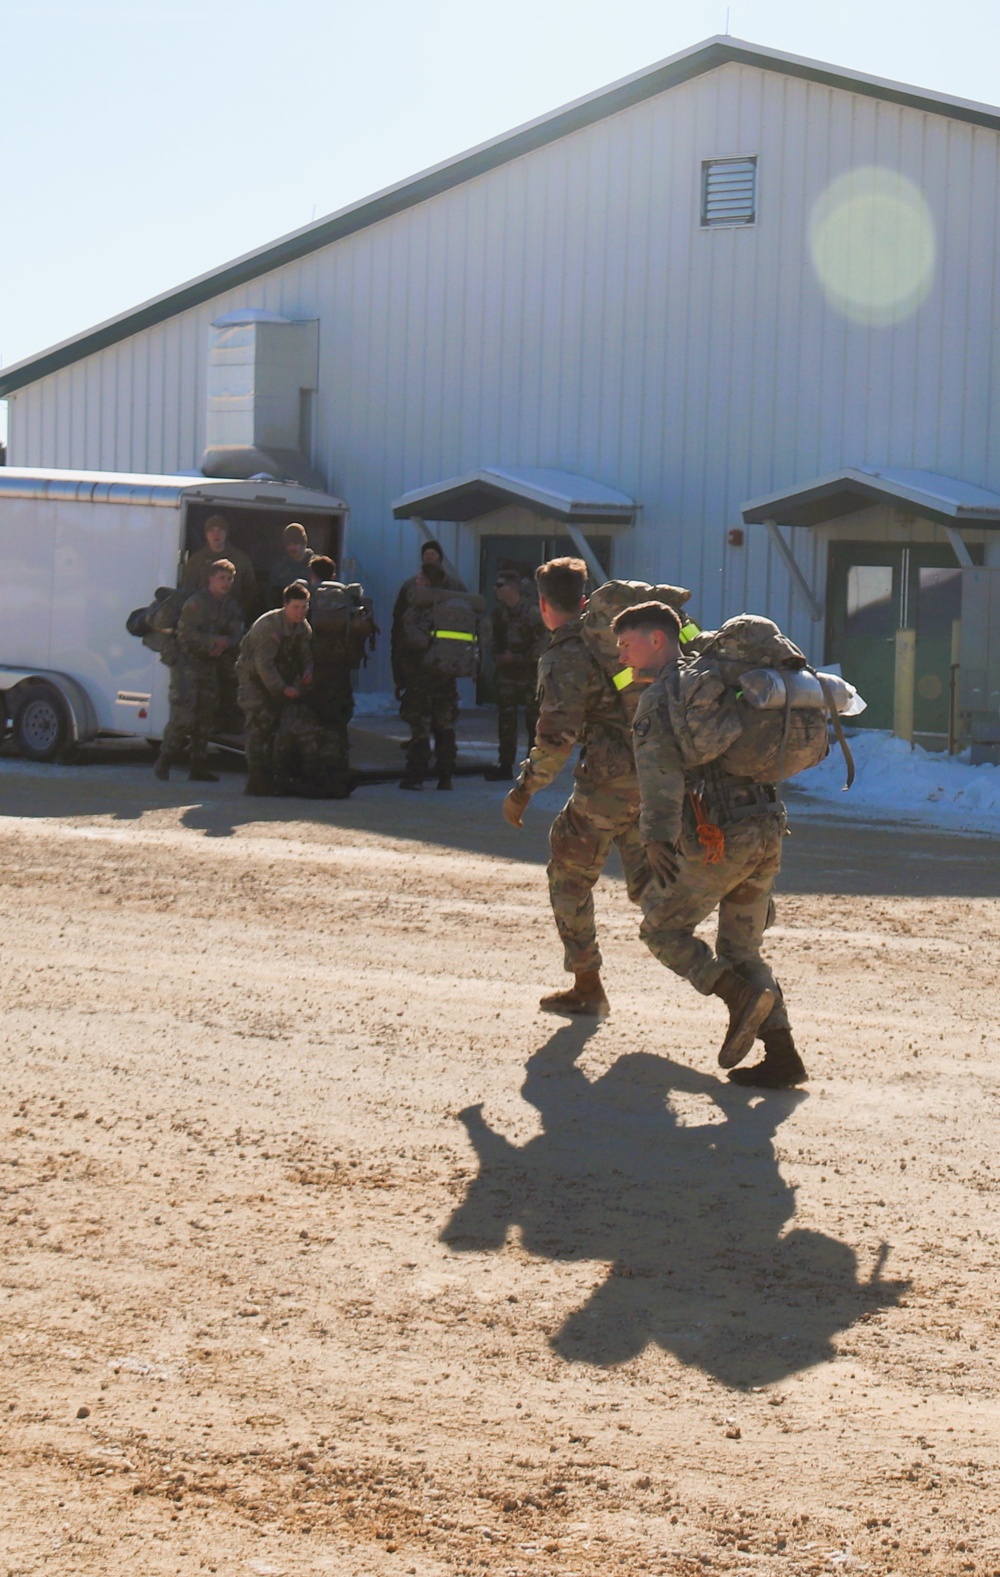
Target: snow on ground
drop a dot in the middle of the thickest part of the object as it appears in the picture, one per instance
(897, 782)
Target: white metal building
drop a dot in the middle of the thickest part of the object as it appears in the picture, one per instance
(733, 318)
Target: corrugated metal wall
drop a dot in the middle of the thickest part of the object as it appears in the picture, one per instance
(568, 310)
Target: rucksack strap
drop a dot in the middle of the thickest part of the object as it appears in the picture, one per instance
(838, 727)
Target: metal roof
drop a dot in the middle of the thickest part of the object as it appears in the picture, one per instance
(576, 499)
(944, 499)
(166, 492)
(586, 111)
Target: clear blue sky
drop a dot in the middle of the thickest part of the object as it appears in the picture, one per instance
(148, 140)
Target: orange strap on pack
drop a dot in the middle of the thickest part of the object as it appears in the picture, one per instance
(711, 837)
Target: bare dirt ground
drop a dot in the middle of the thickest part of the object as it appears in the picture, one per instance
(324, 1252)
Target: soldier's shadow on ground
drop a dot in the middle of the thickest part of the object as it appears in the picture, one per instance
(692, 1217)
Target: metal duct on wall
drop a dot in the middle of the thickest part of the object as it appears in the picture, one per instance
(263, 371)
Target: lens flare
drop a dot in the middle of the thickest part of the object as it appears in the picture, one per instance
(873, 245)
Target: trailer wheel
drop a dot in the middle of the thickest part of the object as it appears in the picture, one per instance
(42, 725)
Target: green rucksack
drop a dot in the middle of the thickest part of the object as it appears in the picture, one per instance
(156, 626)
(343, 620)
(445, 627)
(712, 718)
(603, 607)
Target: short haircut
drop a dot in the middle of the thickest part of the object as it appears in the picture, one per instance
(221, 564)
(432, 546)
(649, 616)
(295, 533)
(508, 577)
(562, 582)
(322, 567)
(298, 591)
(214, 521)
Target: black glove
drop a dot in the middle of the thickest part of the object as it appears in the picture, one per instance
(663, 862)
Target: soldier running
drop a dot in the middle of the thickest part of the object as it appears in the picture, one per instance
(692, 876)
(577, 705)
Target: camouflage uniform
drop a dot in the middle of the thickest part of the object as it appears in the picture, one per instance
(520, 634)
(740, 886)
(578, 704)
(195, 576)
(309, 754)
(283, 572)
(428, 703)
(274, 653)
(194, 677)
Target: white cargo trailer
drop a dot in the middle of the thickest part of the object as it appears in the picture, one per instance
(79, 550)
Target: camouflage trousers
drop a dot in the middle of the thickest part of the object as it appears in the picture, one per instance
(741, 888)
(310, 755)
(510, 695)
(580, 841)
(261, 720)
(194, 702)
(430, 707)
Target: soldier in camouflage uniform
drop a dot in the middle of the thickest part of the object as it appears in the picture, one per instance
(428, 702)
(210, 624)
(274, 666)
(579, 705)
(694, 875)
(519, 639)
(311, 744)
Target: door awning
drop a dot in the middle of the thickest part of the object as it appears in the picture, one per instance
(577, 500)
(943, 499)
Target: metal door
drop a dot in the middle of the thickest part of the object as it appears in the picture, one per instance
(877, 588)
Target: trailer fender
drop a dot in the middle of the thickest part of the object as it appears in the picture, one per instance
(18, 685)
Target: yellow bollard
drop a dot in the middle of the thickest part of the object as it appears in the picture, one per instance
(906, 674)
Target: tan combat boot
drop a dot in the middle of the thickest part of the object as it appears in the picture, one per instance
(748, 1008)
(586, 997)
(782, 1067)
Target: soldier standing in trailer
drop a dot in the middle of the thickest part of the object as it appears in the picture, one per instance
(217, 546)
(210, 625)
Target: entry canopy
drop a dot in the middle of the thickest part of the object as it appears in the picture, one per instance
(578, 500)
(940, 498)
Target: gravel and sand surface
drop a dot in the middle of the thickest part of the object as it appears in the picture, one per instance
(325, 1252)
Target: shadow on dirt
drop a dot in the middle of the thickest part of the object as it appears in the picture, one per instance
(689, 1214)
(823, 857)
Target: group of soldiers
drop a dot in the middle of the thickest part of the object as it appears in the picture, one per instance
(289, 678)
(292, 680)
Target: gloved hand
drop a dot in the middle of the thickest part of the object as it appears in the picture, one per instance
(515, 805)
(663, 862)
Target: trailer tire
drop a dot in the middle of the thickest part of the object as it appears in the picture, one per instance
(42, 724)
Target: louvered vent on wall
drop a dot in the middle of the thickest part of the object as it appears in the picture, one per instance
(729, 191)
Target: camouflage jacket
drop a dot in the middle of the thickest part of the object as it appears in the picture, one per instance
(195, 577)
(658, 763)
(577, 705)
(204, 621)
(274, 654)
(520, 634)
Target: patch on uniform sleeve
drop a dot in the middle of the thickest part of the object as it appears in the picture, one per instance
(641, 727)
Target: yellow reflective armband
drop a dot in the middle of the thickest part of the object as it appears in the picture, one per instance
(622, 679)
(689, 631)
(454, 635)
